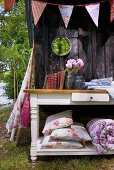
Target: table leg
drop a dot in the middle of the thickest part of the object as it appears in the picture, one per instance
(34, 131)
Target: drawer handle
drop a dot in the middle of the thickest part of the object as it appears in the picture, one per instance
(91, 98)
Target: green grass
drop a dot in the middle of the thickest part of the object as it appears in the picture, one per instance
(1, 104)
(14, 157)
(4, 114)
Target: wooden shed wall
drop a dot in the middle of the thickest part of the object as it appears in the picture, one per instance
(95, 45)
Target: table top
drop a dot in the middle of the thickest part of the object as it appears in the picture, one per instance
(64, 91)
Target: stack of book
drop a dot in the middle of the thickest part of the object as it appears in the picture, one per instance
(54, 81)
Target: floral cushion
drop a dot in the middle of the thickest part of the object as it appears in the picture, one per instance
(77, 132)
(81, 132)
(47, 143)
(58, 120)
(64, 134)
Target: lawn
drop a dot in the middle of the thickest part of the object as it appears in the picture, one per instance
(14, 157)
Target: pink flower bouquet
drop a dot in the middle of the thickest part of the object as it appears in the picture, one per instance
(72, 65)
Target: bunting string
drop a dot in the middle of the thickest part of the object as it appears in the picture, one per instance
(66, 10)
(49, 3)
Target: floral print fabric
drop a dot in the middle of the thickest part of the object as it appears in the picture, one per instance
(77, 132)
(64, 134)
(102, 134)
(81, 132)
(47, 143)
(58, 120)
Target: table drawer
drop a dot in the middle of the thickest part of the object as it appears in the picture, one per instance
(90, 97)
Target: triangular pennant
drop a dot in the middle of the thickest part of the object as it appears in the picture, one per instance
(66, 12)
(93, 11)
(111, 10)
(37, 10)
(8, 4)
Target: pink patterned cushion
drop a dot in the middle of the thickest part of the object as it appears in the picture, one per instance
(81, 132)
(47, 143)
(58, 120)
(77, 132)
(64, 134)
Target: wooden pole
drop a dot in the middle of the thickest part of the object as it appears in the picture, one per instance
(14, 78)
(17, 86)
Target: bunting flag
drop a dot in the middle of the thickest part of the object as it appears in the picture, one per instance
(37, 10)
(111, 10)
(8, 4)
(66, 12)
(93, 11)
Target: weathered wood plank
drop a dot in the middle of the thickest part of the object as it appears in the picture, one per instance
(88, 42)
(109, 53)
(100, 57)
(85, 52)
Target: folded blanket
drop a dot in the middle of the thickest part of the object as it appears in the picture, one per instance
(102, 81)
(111, 92)
(102, 134)
(109, 89)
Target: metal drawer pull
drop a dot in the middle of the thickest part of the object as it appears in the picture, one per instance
(91, 98)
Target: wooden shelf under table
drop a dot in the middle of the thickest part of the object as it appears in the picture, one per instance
(40, 97)
(88, 149)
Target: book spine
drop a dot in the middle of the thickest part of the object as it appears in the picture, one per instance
(49, 81)
(45, 82)
(58, 79)
(52, 81)
(62, 80)
(55, 80)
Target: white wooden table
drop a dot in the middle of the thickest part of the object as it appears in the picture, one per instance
(61, 97)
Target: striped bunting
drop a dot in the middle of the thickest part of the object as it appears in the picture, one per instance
(37, 10)
(93, 11)
(66, 12)
(8, 4)
(111, 10)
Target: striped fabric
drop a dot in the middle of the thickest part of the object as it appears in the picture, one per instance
(37, 10)
(111, 10)
(8, 4)
(66, 12)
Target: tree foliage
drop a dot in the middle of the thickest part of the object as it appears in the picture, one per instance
(14, 48)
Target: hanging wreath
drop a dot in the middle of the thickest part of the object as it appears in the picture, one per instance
(61, 46)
